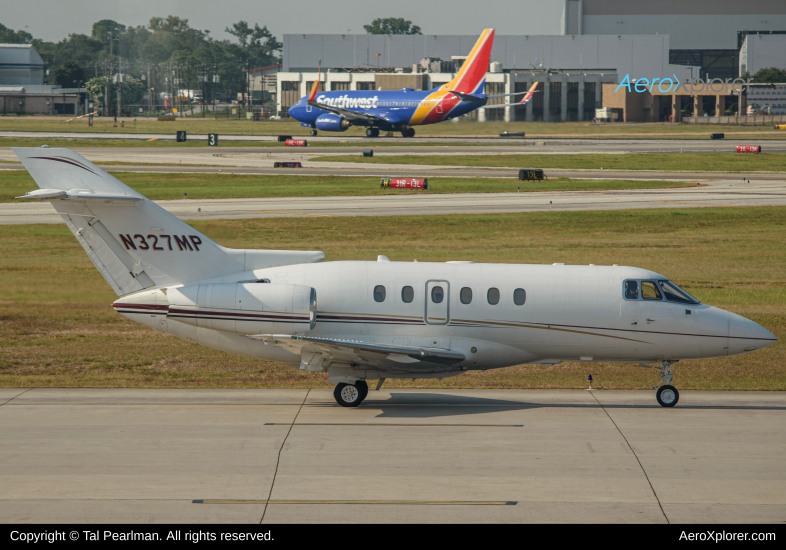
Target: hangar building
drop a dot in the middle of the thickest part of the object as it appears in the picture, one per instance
(704, 33)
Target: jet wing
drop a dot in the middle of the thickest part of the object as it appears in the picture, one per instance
(350, 114)
(313, 349)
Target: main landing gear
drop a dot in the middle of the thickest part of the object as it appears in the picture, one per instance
(349, 395)
(313, 132)
(409, 132)
(372, 132)
(667, 395)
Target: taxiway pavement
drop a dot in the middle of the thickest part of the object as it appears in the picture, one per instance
(711, 194)
(181, 456)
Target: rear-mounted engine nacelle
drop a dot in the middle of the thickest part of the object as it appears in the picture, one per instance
(332, 123)
(245, 308)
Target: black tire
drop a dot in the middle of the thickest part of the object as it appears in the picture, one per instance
(313, 132)
(667, 396)
(362, 387)
(372, 132)
(410, 132)
(347, 395)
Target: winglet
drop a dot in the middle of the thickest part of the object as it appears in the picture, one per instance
(529, 95)
(315, 88)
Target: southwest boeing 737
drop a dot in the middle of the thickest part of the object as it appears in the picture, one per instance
(401, 110)
(375, 320)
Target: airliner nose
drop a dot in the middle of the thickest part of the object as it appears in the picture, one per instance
(746, 336)
(291, 111)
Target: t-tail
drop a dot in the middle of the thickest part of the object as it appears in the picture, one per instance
(133, 242)
(471, 78)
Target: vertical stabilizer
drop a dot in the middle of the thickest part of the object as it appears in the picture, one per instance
(133, 242)
(472, 75)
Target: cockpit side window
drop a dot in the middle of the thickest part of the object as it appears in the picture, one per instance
(631, 290)
(676, 294)
(649, 291)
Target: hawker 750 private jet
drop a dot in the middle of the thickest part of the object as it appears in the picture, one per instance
(375, 320)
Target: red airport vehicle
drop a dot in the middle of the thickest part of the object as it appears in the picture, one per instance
(404, 183)
(296, 143)
(749, 148)
(287, 165)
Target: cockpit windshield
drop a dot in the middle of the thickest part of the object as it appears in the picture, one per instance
(676, 294)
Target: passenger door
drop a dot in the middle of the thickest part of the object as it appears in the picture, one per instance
(437, 302)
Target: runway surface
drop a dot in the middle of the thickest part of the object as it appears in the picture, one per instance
(712, 194)
(700, 136)
(419, 146)
(178, 456)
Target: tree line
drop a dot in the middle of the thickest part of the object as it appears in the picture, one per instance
(164, 56)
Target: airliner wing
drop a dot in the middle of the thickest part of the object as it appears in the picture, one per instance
(350, 114)
(363, 352)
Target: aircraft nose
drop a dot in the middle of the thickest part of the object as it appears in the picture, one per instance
(746, 335)
(291, 111)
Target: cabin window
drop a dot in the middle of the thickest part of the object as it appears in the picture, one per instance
(676, 294)
(631, 290)
(519, 296)
(465, 295)
(407, 294)
(649, 291)
(437, 294)
(493, 296)
(379, 293)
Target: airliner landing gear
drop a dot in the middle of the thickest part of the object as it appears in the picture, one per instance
(409, 132)
(372, 132)
(667, 395)
(313, 132)
(348, 395)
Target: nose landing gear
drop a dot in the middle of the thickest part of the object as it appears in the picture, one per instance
(667, 395)
(349, 395)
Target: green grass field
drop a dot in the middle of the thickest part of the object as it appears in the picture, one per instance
(683, 162)
(14, 183)
(198, 125)
(57, 328)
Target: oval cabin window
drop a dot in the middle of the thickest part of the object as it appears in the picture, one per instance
(493, 296)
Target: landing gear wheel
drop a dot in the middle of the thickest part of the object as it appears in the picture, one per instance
(372, 132)
(362, 388)
(409, 132)
(313, 132)
(667, 396)
(347, 395)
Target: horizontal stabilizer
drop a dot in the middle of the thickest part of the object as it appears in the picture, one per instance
(78, 194)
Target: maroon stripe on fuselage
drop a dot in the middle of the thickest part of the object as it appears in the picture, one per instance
(67, 162)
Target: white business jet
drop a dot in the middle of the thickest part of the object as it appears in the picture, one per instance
(375, 320)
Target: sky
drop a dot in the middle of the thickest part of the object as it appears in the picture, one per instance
(54, 20)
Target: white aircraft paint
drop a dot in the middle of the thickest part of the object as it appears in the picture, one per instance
(369, 320)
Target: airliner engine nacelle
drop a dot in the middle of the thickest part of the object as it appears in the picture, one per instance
(245, 308)
(332, 123)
